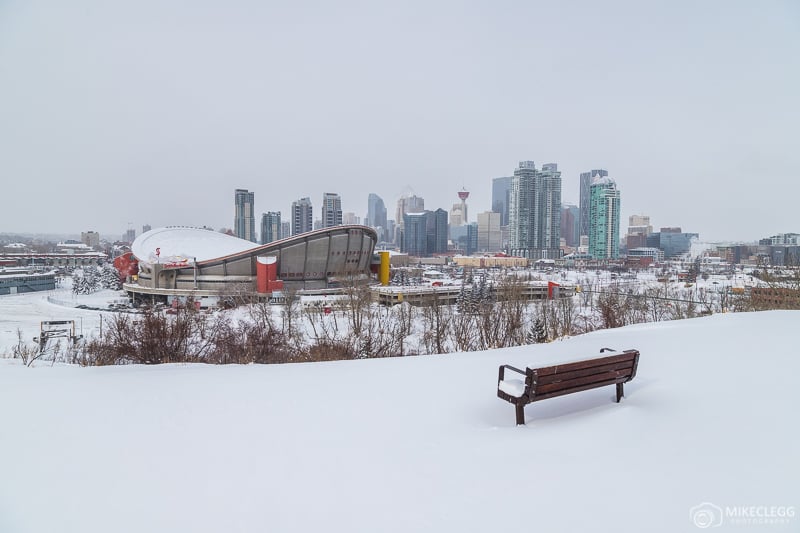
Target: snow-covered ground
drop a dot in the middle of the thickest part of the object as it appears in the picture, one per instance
(24, 313)
(709, 425)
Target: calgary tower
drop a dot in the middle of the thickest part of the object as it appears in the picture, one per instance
(463, 194)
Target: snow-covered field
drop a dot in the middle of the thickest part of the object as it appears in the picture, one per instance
(416, 443)
(24, 313)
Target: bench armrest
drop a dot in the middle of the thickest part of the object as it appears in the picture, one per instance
(501, 375)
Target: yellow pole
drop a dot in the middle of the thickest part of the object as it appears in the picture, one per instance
(383, 273)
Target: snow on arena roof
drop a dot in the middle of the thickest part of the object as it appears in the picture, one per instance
(188, 242)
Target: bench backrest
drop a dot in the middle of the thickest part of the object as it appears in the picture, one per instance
(552, 381)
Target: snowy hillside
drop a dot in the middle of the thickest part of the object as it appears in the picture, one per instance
(412, 444)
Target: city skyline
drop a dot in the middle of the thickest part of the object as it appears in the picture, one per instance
(101, 128)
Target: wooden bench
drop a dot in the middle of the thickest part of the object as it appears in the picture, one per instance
(551, 381)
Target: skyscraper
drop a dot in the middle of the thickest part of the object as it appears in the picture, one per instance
(586, 183)
(244, 221)
(489, 239)
(437, 232)
(271, 227)
(638, 230)
(501, 189)
(331, 210)
(457, 215)
(604, 203)
(570, 222)
(407, 204)
(376, 211)
(535, 211)
(415, 234)
(302, 216)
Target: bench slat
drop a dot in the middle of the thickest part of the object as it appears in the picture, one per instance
(576, 389)
(564, 376)
(613, 375)
(568, 367)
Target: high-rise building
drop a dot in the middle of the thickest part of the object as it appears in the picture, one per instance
(286, 229)
(414, 239)
(534, 214)
(146, 228)
(457, 215)
(489, 236)
(130, 235)
(302, 216)
(501, 190)
(90, 238)
(350, 218)
(331, 210)
(638, 229)
(407, 204)
(604, 203)
(244, 221)
(570, 222)
(271, 227)
(585, 193)
(436, 232)
(376, 212)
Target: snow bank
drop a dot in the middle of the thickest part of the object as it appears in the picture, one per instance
(409, 444)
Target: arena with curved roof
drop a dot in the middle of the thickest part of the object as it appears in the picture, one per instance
(184, 261)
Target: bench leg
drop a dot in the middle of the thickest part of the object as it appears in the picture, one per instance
(520, 415)
(620, 392)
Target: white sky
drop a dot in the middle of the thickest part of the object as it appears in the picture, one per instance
(116, 113)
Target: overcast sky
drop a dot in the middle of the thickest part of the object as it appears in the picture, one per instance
(118, 114)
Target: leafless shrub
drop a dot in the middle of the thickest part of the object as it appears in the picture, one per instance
(27, 353)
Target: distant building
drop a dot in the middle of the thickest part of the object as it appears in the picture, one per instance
(130, 235)
(604, 206)
(785, 239)
(331, 210)
(302, 216)
(585, 194)
(271, 227)
(407, 204)
(457, 215)
(672, 241)
(376, 215)
(639, 224)
(350, 219)
(489, 236)
(465, 238)
(501, 190)
(638, 229)
(146, 228)
(676, 244)
(653, 253)
(535, 212)
(244, 221)
(570, 224)
(286, 229)
(414, 234)
(90, 238)
(436, 232)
